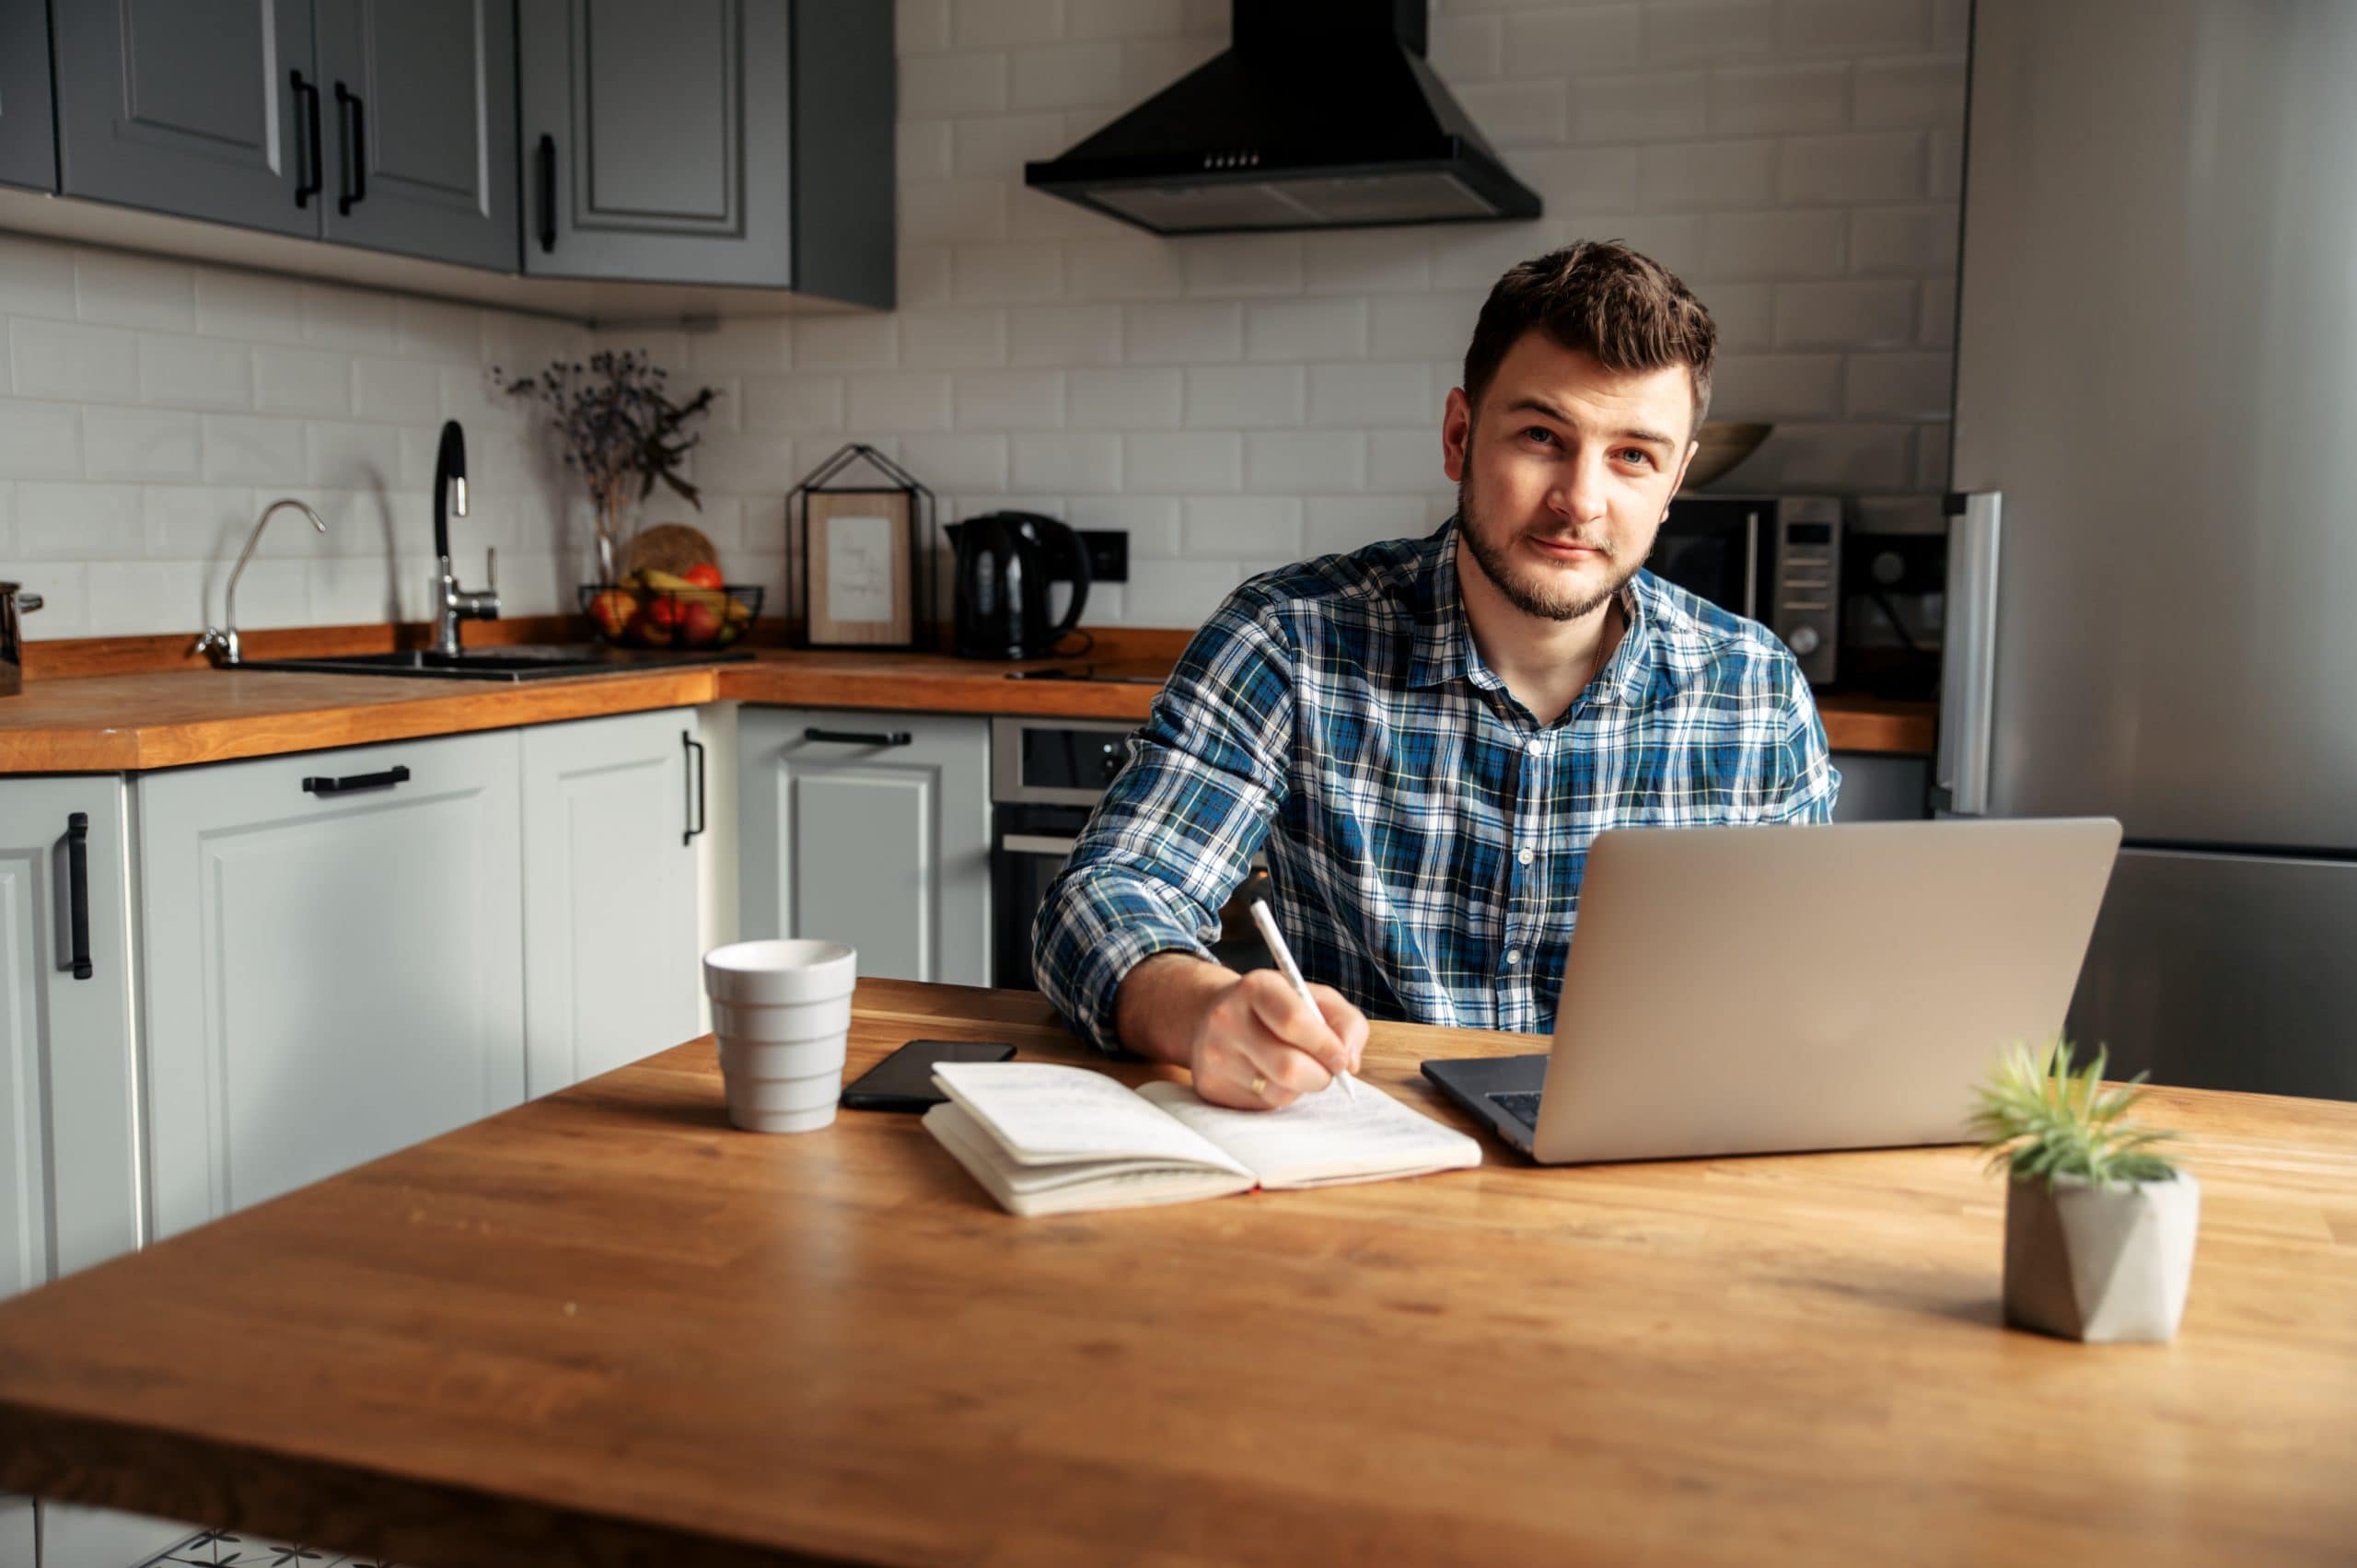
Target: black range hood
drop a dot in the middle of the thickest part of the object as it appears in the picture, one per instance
(1322, 114)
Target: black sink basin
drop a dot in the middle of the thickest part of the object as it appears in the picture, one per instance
(522, 661)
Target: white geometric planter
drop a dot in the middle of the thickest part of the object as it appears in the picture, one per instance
(2100, 1263)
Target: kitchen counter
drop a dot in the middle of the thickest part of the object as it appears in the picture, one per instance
(166, 718)
(603, 1327)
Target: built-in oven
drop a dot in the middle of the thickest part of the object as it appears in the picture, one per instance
(1045, 776)
(1775, 558)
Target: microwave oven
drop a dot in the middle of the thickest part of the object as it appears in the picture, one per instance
(1773, 558)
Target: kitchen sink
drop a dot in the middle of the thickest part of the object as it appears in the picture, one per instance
(520, 661)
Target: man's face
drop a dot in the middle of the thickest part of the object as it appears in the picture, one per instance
(1564, 471)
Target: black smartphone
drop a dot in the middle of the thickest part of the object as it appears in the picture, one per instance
(904, 1081)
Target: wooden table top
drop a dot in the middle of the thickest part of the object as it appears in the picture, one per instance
(605, 1327)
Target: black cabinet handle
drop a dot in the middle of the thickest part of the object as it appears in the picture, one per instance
(548, 192)
(78, 894)
(356, 149)
(306, 95)
(353, 782)
(859, 738)
(695, 794)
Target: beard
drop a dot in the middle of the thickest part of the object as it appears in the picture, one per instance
(1528, 591)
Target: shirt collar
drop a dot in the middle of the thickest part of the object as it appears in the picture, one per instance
(1444, 647)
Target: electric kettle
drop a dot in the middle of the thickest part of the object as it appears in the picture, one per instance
(1004, 563)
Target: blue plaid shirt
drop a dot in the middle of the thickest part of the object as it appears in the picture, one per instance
(1425, 832)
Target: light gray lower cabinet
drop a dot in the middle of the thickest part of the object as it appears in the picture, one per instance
(334, 948)
(871, 829)
(610, 960)
(68, 1091)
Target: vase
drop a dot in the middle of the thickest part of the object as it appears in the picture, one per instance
(2102, 1262)
(609, 534)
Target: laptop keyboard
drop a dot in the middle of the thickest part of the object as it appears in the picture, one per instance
(1522, 1107)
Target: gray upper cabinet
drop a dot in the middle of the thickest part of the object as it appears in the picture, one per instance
(742, 142)
(204, 107)
(420, 116)
(28, 141)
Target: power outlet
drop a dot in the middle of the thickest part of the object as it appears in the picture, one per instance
(1109, 554)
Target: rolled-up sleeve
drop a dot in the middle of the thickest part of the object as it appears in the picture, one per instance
(1808, 783)
(1175, 831)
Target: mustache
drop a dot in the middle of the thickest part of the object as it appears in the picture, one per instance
(1600, 546)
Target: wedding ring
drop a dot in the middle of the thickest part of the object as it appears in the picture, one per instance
(1260, 1084)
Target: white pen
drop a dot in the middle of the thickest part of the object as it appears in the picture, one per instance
(1265, 918)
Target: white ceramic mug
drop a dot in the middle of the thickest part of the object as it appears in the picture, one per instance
(781, 1010)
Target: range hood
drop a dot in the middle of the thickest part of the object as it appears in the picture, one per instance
(1322, 114)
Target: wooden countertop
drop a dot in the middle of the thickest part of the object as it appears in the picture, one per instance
(605, 1327)
(168, 718)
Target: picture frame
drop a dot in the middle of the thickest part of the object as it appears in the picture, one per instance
(858, 566)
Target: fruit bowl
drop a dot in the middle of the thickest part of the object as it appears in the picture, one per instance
(635, 615)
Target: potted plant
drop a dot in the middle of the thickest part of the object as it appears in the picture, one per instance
(620, 427)
(2099, 1228)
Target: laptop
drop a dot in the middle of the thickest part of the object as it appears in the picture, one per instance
(1758, 989)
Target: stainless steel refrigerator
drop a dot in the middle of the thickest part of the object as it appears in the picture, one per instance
(2154, 552)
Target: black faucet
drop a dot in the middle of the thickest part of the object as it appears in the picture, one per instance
(451, 602)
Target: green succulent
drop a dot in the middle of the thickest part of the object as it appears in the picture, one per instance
(2037, 1117)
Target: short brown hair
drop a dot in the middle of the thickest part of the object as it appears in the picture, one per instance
(1628, 310)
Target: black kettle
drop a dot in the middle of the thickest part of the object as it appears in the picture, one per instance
(1006, 561)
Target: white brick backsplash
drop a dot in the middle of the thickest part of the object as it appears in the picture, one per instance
(79, 522)
(1123, 18)
(750, 464)
(1935, 318)
(996, 147)
(923, 275)
(1242, 525)
(190, 522)
(1298, 461)
(953, 339)
(1009, 400)
(950, 463)
(922, 151)
(1070, 75)
(36, 278)
(845, 342)
(1406, 461)
(352, 457)
(1928, 93)
(1432, 326)
(240, 448)
(1579, 180)
(1932, 456)
(1516, 114)
(396, 389)
(1226, 266)
(39, 440)
(1952, 26)
(1833, 456)
(149, 596)
(1899, 386)
(920, 27)
(1856, 27)
(1202, 334)
(1744, 314)
(348, 318)
(7, 519)
(123, 442)
(899, 400)
(64, 588)
(1771, 245)
(66, 360)
(1125, 268)
(1466, 49)
(1577, 41)
(1757, 100)
(1869, 167)
(1904, 241)
(1339, 523)
(1361, 260)
(992, 24)
(1945, 180)
(935, 85)
(1782, 386)
(1679, 241)
(1703, 176)
(428, 329)
(1671, 106)
(1357, 396)
(1687, 32)
(756, 346)
(247, 306)
(134, 291)
(1151, 521)
(1855, 314)
(1305, 329)
(1083, 462)
(995, 274)
(189, 372)
(1148, 65)
(1181, 462)
(1180, 593)
(1123, 400)
(1064, 334)
(1246, 397)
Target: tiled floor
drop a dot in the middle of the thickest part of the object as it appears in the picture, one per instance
(220, 1548)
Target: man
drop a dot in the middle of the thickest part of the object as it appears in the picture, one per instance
(1427, 733)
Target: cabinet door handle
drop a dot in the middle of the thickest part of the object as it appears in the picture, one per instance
(695, 794)
(353, 783)
(548, 192)
(356, 149)
(859, 736)
(78, 894)
(308, 180)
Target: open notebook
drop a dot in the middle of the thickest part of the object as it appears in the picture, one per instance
(1048, 1140)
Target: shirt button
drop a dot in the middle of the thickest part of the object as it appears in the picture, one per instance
(1513, 957)
(1536, 748)
(1526, 855)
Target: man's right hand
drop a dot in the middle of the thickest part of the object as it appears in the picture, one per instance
(1249, 1039)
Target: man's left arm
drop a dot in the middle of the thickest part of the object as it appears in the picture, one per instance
(1805, 781)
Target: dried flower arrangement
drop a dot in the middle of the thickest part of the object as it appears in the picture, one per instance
(619, 424)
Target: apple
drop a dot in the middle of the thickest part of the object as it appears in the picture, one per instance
(704, 576)
(611, 610)
(700, 626)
